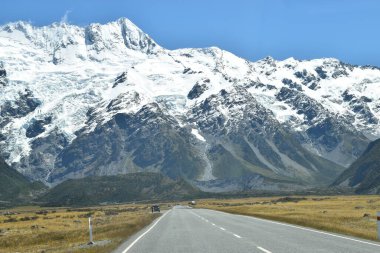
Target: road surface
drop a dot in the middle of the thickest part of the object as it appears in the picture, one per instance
(186, 230)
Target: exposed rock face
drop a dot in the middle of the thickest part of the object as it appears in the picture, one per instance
(24, 104)
(360, 107)
(146, 141)
(37, 127)
(198, 89)
(40, 162)
(326, 131)
(106, 100)
(3, 75)
(364, 173)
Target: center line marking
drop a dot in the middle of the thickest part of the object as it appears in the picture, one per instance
(306, 229)
(264, 250)
(221, 228)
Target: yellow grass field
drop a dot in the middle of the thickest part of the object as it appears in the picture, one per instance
(32, 229)
(350, 215)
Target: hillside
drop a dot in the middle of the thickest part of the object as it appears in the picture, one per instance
(364, 173)
(118, 189)
(14, 187)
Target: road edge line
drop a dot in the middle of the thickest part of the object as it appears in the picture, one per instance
(142, 235)
(302, 228)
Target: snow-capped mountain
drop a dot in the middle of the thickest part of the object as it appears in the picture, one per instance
(106, 99)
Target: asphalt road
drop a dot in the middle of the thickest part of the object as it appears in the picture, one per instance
(187, 230)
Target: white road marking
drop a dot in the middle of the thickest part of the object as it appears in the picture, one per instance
(142, 235)
(298, 227)
(264, 250)
(313, 230)
(237, 236)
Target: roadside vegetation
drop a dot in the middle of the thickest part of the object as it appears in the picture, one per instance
(350, 215)
(32, 229)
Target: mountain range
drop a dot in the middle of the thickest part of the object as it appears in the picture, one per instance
(106, 99)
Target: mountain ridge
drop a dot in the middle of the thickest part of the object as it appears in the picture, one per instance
(118, 189)
(179, 112)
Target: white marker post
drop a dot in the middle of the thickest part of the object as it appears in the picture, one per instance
(378, 225)
(90, 228)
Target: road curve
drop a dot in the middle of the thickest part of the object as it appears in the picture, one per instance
(188, 230)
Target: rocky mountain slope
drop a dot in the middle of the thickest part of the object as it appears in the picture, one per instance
(364, 173)
(14, 187)
(107, 99)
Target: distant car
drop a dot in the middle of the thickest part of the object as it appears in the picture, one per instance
(155, 208)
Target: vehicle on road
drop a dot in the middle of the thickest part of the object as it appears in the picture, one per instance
(155, 208)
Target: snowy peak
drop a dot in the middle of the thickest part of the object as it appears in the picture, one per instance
(70, 43)
(63, 87)
(119, 33)
(136, 39)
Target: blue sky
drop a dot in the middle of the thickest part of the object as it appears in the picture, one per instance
(252, 29)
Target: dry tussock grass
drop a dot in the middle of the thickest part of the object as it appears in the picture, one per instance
(350, 215)
(31, 229)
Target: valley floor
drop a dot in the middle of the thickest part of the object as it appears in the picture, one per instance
(350, 215)
(33, 229)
